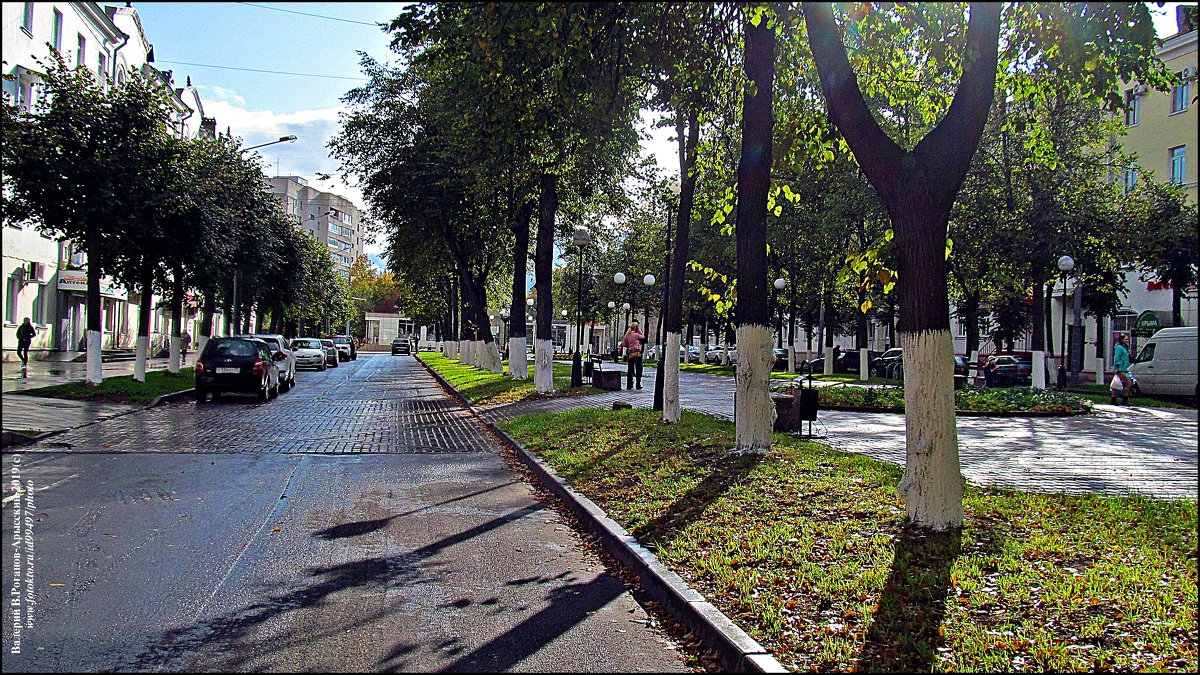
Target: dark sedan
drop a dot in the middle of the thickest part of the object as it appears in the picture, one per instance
(1005, 370)
(237, 364)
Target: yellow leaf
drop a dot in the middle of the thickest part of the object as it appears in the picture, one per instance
(865, 306)
(884, 276)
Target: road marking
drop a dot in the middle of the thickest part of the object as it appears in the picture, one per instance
(20, 491)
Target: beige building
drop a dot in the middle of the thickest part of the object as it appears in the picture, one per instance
(332, 219)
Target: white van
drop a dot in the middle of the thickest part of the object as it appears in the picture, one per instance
(1166, 364)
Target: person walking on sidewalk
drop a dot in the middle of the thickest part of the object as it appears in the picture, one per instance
(25, 335)
(633, 343)
(1121, 364)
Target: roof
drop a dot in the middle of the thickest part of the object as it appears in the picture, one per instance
(1185, 331)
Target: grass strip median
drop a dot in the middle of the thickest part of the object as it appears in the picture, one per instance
(484, 388)
(123, 388)
(807, 550)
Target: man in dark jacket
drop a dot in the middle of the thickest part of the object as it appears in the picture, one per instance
(25, 335)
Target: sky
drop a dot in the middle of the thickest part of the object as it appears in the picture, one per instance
(313, 51)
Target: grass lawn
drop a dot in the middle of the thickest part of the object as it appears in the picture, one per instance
(484, 388)
(806, 549)
(1098, 393)
(122, 389)
(711, 369)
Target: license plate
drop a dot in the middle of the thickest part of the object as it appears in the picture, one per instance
(228, 371)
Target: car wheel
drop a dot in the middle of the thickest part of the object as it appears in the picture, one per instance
(264, 391)
(201, 395)
(322, 367)
(284, 385)
(216, 395)
(1137, 391)
(274, 393)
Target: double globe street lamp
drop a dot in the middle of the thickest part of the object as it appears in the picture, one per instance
(1065, 265)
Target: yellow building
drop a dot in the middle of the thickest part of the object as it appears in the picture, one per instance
(1162, 125)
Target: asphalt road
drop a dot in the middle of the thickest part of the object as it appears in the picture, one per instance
(223, 537)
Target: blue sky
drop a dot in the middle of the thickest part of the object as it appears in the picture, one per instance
(261, 106)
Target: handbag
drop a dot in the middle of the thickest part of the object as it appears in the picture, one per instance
(634, 353)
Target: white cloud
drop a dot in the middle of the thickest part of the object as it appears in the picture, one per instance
(220, 94)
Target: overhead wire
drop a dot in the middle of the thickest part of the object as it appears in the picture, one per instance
(256, 70)
(317, 16)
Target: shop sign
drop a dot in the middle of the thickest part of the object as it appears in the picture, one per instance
(75, 281)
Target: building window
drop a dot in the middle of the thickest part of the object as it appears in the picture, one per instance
(15, 284)
(1130, 179)
(1179, 165)
(81, 53)
(27, 19)
(56, 36)
(1133, 108)
(39, 305)
(1179, 95)
(102, 66)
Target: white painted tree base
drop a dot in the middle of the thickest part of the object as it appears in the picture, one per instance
(176, 359)
(518, 359)
(1039, 369)
(200, 342)
(754, 411)
(670, 375)
(828, 361)
(489, 357)
(543, 366)
(791, 360)
(95, 368)
(933, 482)
(452, 346)
(864, 365)
(1100, 374)
(141, 350)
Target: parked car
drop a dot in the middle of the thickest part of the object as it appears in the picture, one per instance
(714, 355)
(1166, 363)
(1009, 370)
(780, 359)
(287, 366)
(345, 346)
(332, 357)
(881, 365)
(309, 353)
(237, 364)
(401, 345)
(847, 362)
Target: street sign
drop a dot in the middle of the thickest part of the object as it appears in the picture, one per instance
(1148, 323)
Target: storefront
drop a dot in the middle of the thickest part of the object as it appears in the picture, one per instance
(72, 312)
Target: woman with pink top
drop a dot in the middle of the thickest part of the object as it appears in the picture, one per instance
(633, 342)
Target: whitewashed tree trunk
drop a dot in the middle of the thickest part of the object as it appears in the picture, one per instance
(670, 375)
(933, 484)
(453, 344)
(176, 354)
(1099, 366)
(829, 361)
(489, 357)
(864, 365)
(95, 368)
(791, 359)
(141, 351)
(973, 364)
(725, 353)
(755, 411)
(1039, 369)
(518, 359)
(200, 342)
(543, 366)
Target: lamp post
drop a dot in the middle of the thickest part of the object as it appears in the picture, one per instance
(1065, 265)
(611, 321)
(282, 139)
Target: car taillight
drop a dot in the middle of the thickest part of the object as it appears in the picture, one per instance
(199, 368)
(279, 354)
(259, 365)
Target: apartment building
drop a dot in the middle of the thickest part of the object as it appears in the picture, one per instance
(334, 220)
(44, 279)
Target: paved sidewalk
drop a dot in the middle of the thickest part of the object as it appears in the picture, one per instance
(40, 414)
(1117, 450)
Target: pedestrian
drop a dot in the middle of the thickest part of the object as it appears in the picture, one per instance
(25, 334)
(186, 339)
(1121, 364)
(990, 370)
(633, 344)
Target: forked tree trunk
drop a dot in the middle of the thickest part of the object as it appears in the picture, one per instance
(754, 414)
(543, 258)
(918, 188)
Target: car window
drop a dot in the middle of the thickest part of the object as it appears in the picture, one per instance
(1147, 353)
(231, 348)
(273, 343)
(304, 344)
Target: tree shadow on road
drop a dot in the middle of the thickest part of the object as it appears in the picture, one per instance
(904, 636)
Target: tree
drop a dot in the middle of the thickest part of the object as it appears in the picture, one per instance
(918, 186)
(75, 164)
(1165, 248)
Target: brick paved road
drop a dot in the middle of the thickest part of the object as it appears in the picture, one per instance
(363, 521)
(1118, 450)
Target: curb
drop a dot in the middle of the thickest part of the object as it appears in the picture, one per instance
(738, 651)
(12, 439)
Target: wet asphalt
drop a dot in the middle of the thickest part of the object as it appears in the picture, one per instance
(188, 556)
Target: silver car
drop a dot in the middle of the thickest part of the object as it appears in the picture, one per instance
(287, 365)
(309, 353)
(331, 353)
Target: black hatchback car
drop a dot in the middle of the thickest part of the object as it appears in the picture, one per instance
(237, 364)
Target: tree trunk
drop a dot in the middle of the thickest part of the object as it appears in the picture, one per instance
(95, 321)
(754, 414)
(672, 408)
(543, 260)
(518, 362)
(145, 309)
(206, 321)
(485, 352)
(174, 364)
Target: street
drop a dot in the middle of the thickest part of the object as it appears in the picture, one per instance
(362, 521)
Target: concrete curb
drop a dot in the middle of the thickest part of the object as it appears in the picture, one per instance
(738, 651)
(13, 439)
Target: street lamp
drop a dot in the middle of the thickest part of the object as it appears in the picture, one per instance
(282, 139)
(780, 284)
(1065, 265)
